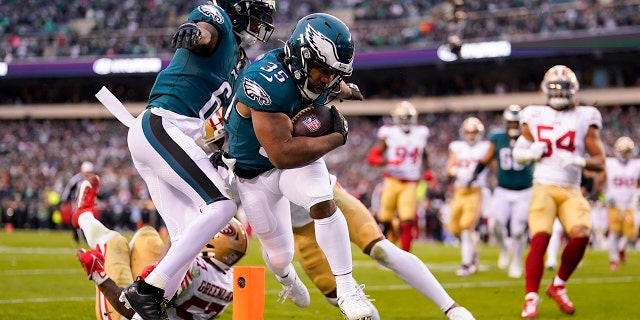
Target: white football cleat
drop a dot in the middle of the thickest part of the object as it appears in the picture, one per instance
(503, 260)
(295, 290)
(459, 313)
(515, 272)
(356, 306)
(375, 315)
(467, 270)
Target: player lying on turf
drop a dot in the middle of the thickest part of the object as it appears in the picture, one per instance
(207, 287)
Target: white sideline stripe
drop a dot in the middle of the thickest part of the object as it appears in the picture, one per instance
(40, 272)
(37, 250)
(399, 287)
(47, 300)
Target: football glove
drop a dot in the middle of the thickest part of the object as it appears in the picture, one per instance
(148, 269)
(537, 150)
(216, 159)
(356, 94)
(186, 36)
(93, 263)
(572, 160)
(340, 124)
(525, 155)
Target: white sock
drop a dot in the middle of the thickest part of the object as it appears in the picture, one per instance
(192, 239)
(410, 269)
(622, 243)
(517, 249)
(557, 282)
(332, 235)
(466, 247)
(613, 247)
(94, 231)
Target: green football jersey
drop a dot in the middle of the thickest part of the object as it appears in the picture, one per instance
(195, 86)
(265, 85)
(511, 175)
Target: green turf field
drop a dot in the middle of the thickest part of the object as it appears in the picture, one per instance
(41, 279)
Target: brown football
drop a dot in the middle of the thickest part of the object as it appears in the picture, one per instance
(313, 121)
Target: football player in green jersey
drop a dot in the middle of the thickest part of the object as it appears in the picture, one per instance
(510, 199)
(199, 80)
(274, 167)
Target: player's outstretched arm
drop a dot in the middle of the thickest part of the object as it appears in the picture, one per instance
(93, 263)
(200, 38)
(112, 291)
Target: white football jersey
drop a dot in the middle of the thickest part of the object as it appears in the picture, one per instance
(404, 150)
(622, 179)
(563, 132)
(204, 293)
(467, 157)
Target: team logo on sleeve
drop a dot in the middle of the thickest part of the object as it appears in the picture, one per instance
(211, 12)
(255, 92)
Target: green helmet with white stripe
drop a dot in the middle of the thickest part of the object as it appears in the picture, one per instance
(325, 40)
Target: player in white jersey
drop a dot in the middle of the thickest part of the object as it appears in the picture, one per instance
(206, 289)
(465, 206)
(401, 149)
(557, 136)
(621, 180)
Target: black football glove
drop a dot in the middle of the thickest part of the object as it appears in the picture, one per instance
(216, 159)
(340, 124)
(186, 36)
(355, 92)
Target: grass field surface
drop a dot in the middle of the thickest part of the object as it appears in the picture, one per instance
(40, 278)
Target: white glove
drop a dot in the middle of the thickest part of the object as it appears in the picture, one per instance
(572, 160)
(524, 155)
(537, 149)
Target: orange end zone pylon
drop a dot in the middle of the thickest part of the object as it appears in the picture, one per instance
(248, 293)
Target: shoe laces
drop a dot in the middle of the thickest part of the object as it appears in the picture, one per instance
(530, 305)
(561, 292)
(284, 294)
(362, 295)
(287, 290)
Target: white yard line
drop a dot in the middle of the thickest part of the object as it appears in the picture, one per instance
(398, 287)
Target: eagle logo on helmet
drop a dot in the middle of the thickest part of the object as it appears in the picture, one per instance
(255, 92)
(322, 45)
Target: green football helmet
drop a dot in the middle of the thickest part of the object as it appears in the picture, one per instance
(325, 40)
(251, 19)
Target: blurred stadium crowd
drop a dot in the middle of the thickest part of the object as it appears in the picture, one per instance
(36, 29)
(38, 157)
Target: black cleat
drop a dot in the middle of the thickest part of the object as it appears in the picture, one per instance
(150, 306)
